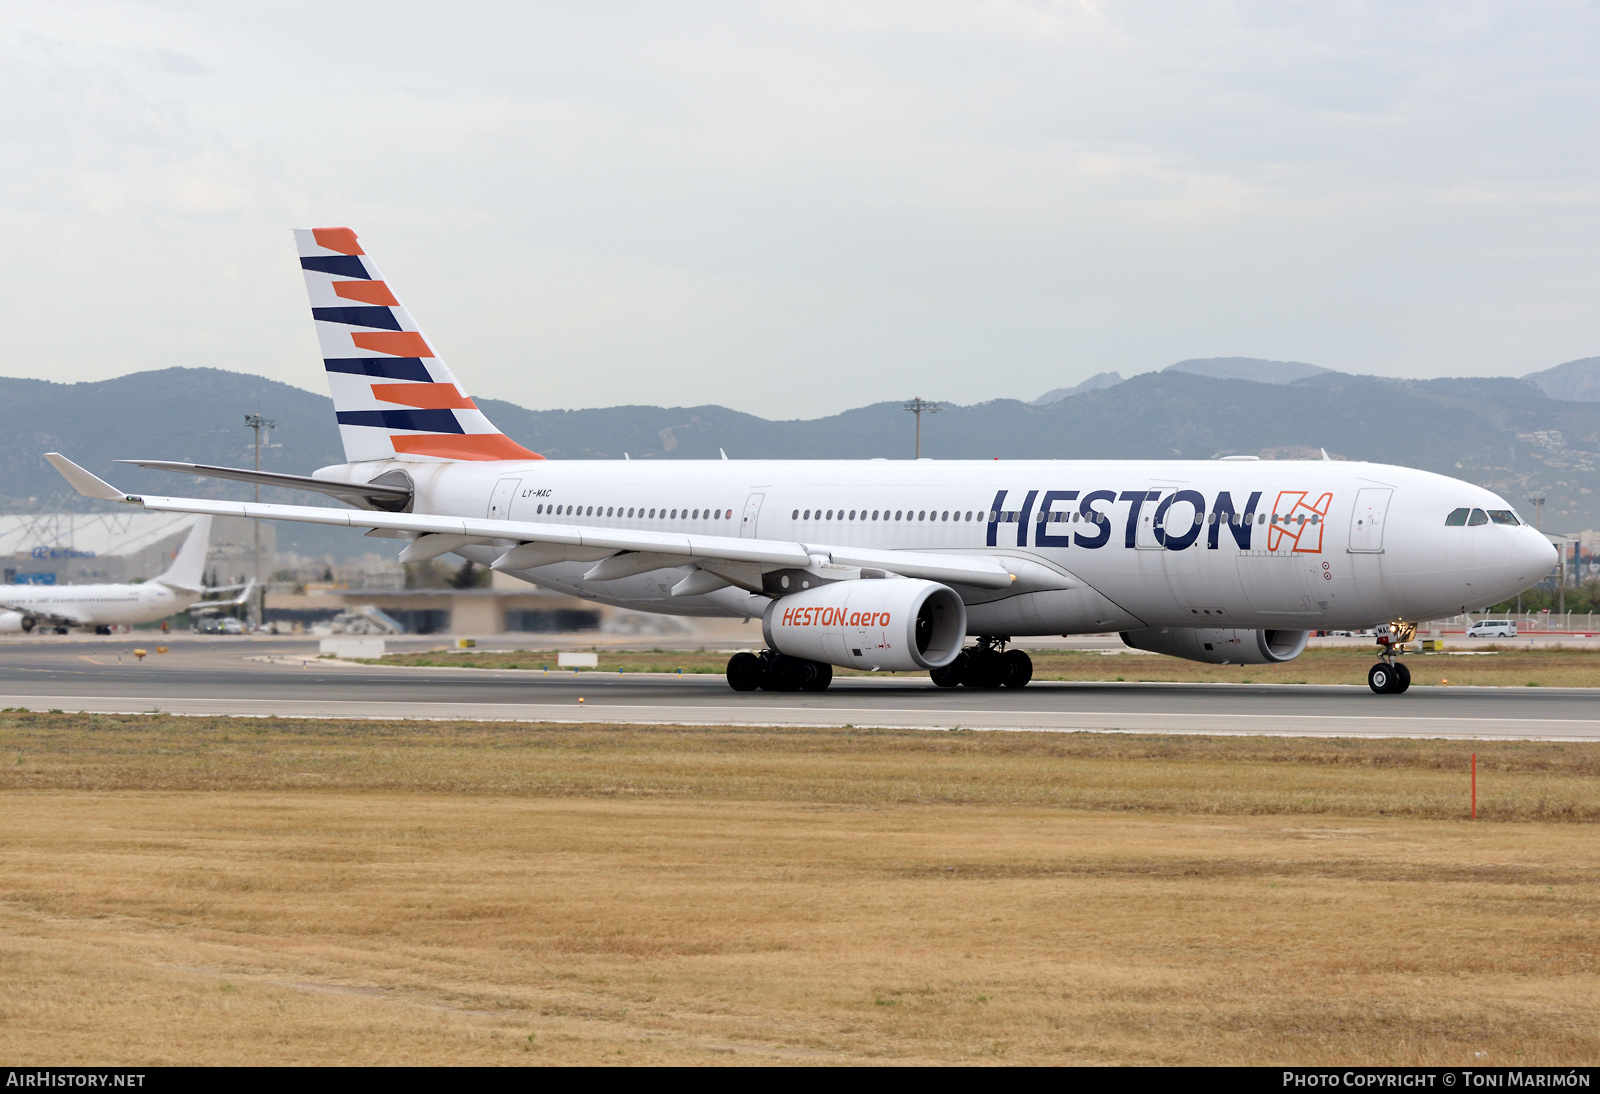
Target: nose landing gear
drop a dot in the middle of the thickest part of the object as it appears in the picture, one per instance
(1390, 676)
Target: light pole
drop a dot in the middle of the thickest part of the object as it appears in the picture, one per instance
(917, 405)
(258, 602)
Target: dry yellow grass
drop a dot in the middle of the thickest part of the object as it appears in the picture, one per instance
(211, 891)
(1488, 665)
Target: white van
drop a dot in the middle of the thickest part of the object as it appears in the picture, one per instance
(1492, 628)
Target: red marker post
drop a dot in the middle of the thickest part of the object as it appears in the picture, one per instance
(1474, 786)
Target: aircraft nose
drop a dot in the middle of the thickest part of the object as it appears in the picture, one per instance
(1534, 556)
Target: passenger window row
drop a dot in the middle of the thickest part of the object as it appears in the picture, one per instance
(881, 514)
(1472, 518)
(619, 511)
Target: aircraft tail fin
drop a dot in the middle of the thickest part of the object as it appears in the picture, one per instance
(187, 570)
(394, 395)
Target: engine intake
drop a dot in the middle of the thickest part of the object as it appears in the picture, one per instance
(1220, 645)
(891, 623)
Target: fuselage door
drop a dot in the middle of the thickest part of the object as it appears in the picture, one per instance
(752, 513)
(1366, 523)
(1144, 536)
(500, 500)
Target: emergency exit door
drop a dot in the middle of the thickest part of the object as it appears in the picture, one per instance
(752, 513)
(500, 500)
(1366, 523)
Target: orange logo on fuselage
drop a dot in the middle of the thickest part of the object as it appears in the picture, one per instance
(1299, 521)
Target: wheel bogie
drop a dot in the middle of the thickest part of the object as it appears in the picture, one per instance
(986, 666)
(773, 671)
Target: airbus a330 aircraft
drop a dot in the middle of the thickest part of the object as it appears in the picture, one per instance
(880, 564)
(99, 607)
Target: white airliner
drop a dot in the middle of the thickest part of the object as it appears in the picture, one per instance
(99, 607)
(880, 564)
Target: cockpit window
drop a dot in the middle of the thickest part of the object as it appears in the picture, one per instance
(1456, 519)
(1478, 517)
(1504, 516)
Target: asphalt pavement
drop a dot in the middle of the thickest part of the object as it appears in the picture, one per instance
(259, 677)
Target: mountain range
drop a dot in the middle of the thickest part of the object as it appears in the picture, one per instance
(1529, 437)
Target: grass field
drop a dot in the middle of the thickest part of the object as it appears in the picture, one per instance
(256, 890)
(1478, 664)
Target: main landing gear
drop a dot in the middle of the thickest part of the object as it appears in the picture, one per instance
(987, 665)
(1390, 676)
(773, 671)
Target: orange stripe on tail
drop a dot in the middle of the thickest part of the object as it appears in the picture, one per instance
(424, 396)
(406, 343)
(342, 240)
(462, 446)
(367, 292)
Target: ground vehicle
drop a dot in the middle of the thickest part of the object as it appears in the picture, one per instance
(1492, 628)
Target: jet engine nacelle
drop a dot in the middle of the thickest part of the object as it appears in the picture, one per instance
(10, 622)
(1220, 645)
(875, 623)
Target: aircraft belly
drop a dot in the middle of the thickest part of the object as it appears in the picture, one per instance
(1136, 581)
(1281, 588)
(1051, 611)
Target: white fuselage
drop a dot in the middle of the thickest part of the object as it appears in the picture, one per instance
(1113, 544)
(93, 605)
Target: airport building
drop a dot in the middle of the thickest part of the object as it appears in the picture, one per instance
(91, 548)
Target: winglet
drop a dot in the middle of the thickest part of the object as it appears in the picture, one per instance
(90, 486)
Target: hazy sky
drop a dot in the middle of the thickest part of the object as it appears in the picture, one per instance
(795, 208)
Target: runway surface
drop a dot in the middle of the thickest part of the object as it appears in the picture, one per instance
(251, 677)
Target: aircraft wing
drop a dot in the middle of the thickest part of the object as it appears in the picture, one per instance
(432, 536)
(63, 616)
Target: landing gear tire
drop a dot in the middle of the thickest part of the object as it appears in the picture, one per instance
(1386, 679)
(1380, 678)
(821, 677)
(1019, 668)
(745, 672)
(952, 674)
(985, 669)
(784, 673)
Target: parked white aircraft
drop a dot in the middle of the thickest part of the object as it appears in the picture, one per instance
(64, 607)
(882, 564)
